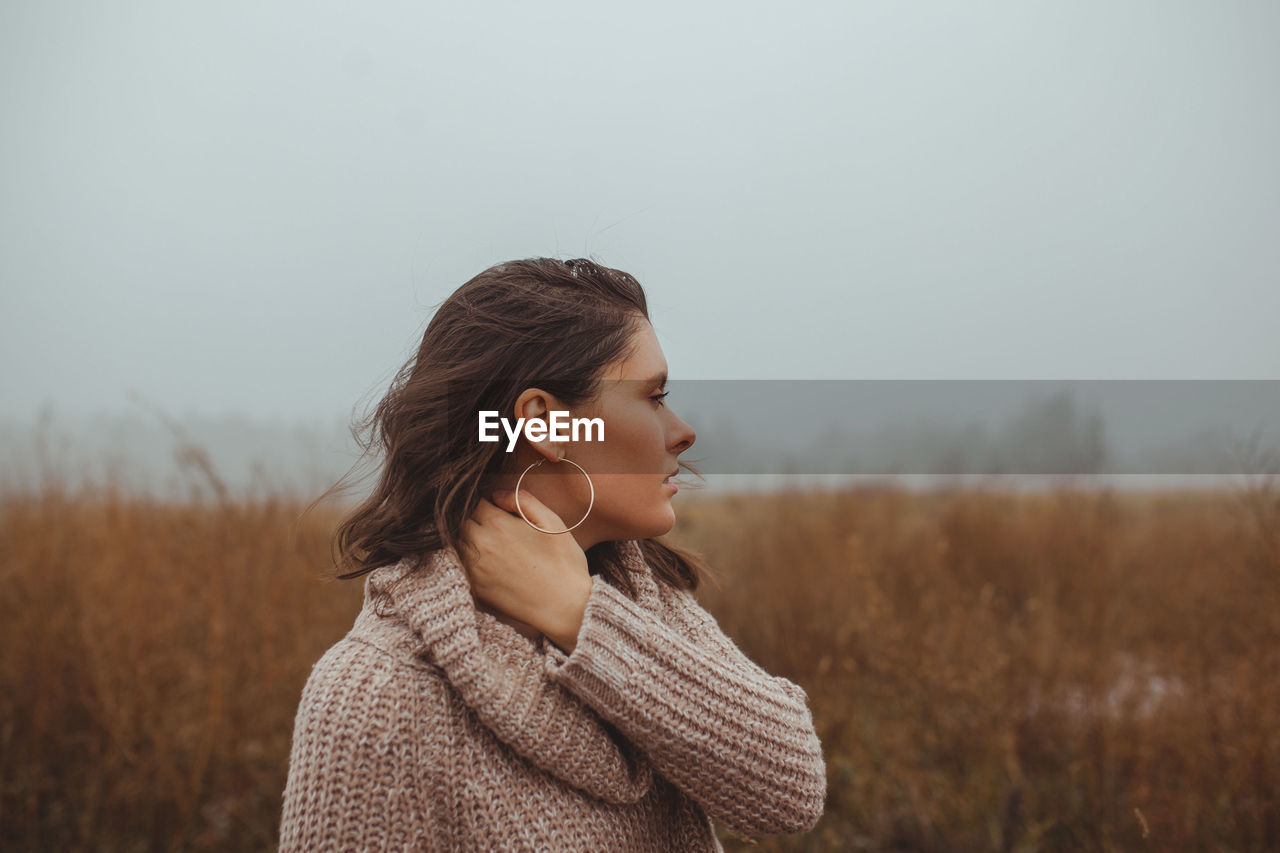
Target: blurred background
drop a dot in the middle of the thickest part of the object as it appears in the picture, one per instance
(224, 227)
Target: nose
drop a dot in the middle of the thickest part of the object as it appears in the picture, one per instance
(684, 436)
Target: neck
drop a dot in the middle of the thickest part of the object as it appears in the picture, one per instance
(584, 534)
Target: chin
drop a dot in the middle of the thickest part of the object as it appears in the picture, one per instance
(662, 523)
(622, 522)
(649, 527)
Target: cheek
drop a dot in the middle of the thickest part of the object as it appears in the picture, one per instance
(624, 495)
(631, 446)
(632, 507)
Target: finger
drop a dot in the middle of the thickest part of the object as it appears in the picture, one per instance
(536, 511)
(506, 499)
(486, 513)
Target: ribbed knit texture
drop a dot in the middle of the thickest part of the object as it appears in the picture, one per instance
(438, 727)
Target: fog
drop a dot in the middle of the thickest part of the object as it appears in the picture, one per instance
(246, 213)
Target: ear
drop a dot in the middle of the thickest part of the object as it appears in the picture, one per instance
(534, 404)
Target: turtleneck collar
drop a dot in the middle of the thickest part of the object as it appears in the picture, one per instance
(503, 677)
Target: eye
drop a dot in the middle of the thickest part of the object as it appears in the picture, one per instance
(658, 398)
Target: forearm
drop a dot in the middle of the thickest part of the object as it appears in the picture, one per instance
(739, 741)
(563, 624)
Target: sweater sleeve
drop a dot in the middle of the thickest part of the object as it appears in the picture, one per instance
(737, 740)
(356, 778)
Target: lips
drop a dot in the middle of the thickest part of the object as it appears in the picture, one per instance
(672, 474)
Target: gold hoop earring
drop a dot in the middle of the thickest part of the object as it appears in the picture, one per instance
(567, 529)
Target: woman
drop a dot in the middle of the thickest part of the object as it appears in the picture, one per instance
(530, 670)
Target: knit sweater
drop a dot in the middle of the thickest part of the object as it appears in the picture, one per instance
(440, 727)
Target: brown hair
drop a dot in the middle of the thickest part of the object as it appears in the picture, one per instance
(540, 321)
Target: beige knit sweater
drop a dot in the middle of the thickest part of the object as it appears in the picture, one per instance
(439, 727)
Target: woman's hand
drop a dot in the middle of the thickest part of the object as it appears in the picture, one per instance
(538, 578)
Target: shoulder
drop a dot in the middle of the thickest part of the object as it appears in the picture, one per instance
(367, 713)
(367, 757)
(359, 696)
(359, 671)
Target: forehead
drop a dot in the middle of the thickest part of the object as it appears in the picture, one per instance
(646, 360)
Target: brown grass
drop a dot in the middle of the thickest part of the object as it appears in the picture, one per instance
(1060, 671)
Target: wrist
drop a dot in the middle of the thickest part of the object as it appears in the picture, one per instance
(565, 629)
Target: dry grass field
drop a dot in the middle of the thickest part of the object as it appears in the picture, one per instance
(1063, 671)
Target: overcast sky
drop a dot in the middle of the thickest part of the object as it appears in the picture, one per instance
(253, 207)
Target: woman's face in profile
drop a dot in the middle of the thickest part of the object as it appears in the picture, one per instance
(643, 438)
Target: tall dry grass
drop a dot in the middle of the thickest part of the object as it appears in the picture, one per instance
(1064, 671)
(150, 662)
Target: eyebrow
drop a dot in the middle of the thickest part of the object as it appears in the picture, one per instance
(658, 379)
